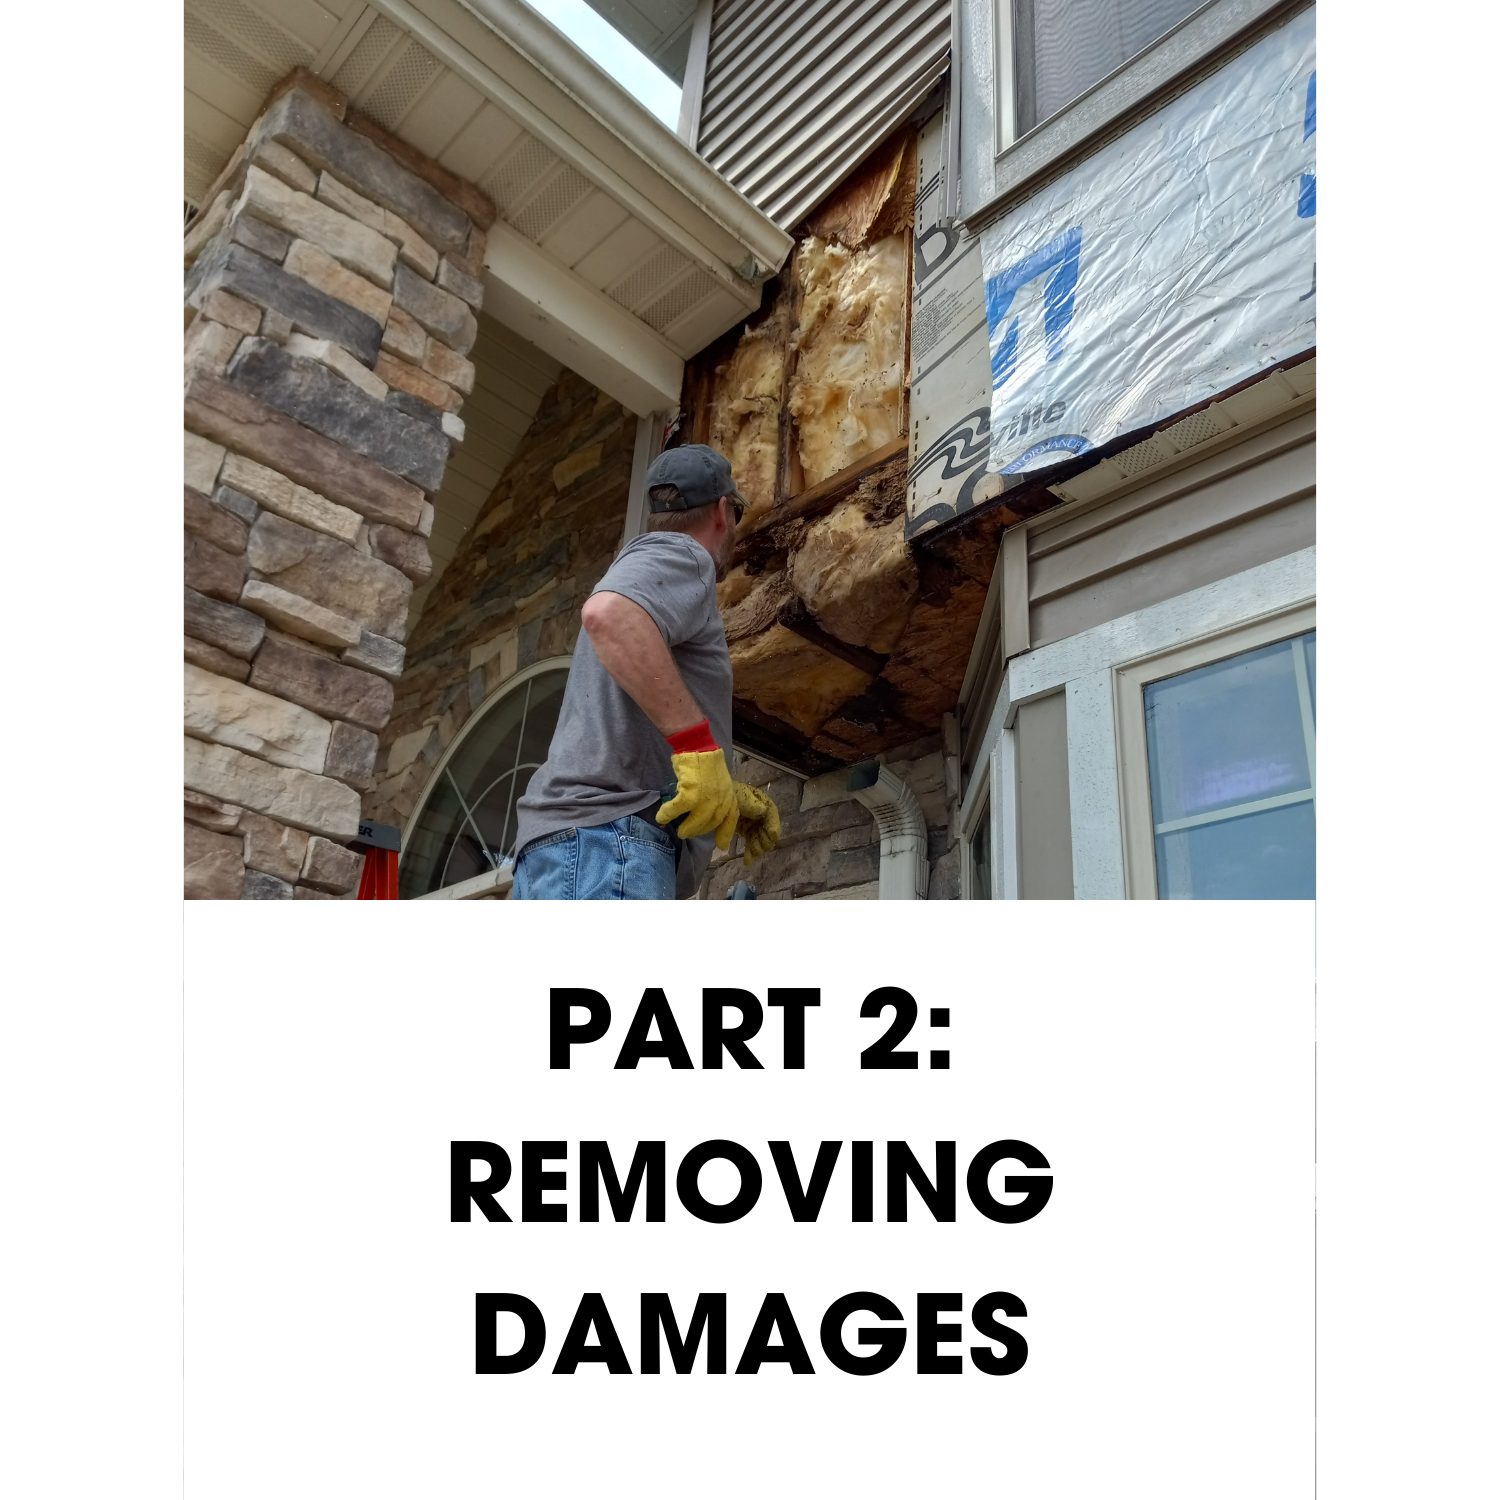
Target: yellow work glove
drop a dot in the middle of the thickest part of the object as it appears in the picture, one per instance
(705, 793)
(760, 823)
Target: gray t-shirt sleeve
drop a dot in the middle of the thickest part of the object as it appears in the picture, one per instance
(673, 584)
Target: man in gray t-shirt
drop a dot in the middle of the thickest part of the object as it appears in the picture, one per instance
(648, 702)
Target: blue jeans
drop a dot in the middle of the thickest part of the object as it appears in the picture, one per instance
(631, 859)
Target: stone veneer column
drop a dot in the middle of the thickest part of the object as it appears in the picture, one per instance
(330, 294)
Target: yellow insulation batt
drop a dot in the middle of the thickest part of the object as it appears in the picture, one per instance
(851, 352)
(792, 679)
(746, 409)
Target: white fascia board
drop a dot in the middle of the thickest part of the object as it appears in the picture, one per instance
(567, 318)
(539, 78)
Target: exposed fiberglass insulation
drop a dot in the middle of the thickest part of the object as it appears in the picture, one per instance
(793, 679)
(851, 352)
(856, 576)
(746, 412)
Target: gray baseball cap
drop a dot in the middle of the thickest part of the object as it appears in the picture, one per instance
(700, 473)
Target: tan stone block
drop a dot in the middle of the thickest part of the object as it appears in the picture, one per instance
(276, 326)
(234, 312)
(405, 337)
(232, 713)
(210, 570)
(429, 515)
(209, 346)
(289, 500)
(417, 383)
(213, 522)
(213, 869)
(290, 168)
(339, 360)
(319, 269)
(411, 247)
(576, 465)
(299, 616)
(211, 659)
(401, 549)
(272, 847)
(453, 369)
(318, 804)
(201, 461)
(354, 244)
(406, 748)
(308, 893)
(504, 645)
(330, 867)
(208, 812)
(314, 566)
(208, 223)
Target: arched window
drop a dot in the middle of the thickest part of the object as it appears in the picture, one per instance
(465, 823)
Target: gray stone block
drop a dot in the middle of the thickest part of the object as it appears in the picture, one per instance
(314, 395)
(258, 280)
(226, 626)
(264, 239)
(259, 886)
(414, 407)
(460, 283)
(378, 654)
(441, 313)
(300, 122)
(854, 866)
(236, 503)
(351, 754)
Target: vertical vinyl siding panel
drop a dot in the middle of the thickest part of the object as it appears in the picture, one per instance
(797, 92)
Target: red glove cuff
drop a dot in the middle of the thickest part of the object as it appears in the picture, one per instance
(698, 738)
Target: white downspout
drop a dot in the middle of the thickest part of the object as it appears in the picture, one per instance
(903, 830)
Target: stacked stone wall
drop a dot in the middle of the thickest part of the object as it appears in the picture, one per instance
(332, 281)
(829, 847)
(513, 593)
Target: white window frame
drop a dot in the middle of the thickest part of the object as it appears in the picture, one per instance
(496, 882)
(1130, 682)
(1087, 667)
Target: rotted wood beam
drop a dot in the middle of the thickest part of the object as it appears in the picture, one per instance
(793, 614)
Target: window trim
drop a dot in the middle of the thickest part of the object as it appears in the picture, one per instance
(1130, 679)
(1196, 46)
(502, 690)
(981, 809)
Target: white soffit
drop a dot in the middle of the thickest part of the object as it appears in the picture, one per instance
(611, 201)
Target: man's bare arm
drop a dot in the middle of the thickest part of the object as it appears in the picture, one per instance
(627, 642)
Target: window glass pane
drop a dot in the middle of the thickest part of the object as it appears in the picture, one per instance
(1231, 751)
(979, 858)
(1064, 47)
(468, 823)
(1267, 856)
(1226, 734)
